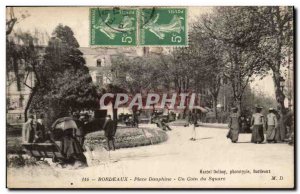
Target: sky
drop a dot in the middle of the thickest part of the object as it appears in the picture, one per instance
(45, 19)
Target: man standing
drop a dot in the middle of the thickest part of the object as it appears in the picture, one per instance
(188, 119)
(234, 125)
(257, 126)
(273, 134)
(136, 118)
(110, 128)
(193, 120)
(28, 131)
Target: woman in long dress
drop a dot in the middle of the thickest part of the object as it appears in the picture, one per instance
(257, 123)
(234, 125)
(273, 133)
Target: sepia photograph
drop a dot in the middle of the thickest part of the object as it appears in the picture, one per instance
(150, 97)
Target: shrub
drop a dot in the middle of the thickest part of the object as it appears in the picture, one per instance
(18, 161)
(127, 137)
(13, 145)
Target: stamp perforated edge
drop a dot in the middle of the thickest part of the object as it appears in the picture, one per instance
(138, 8)
(112, 46)
(186, 27)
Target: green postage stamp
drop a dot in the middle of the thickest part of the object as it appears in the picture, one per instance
(163, 26)
(113, 27)
(156, 26)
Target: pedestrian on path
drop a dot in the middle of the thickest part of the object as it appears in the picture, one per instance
(110, 129)
(188, 118)
(257, 126)
(193, 120)
(273, 133)
(234, 125)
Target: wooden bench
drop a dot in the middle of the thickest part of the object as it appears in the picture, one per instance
(44, 150)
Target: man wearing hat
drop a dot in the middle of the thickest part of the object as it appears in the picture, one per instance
(234, 125)
(28, 130)
(272, 127)
(110, 129)
(257, 123)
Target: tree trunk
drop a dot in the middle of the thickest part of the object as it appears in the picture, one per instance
(280, 104)
(115, 111)
(10, 25)
(29, 103)
(239, 105)
(16, 70)
(215, 102)
(115, 114)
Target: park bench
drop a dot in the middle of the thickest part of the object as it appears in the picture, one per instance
(44, 150)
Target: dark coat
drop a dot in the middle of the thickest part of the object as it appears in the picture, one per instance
(40, 132)
(99, 124)
(194, 118)
(79, 132)
(71, 147)
(110, 129)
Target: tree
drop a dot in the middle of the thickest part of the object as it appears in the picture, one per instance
(276, 48)
(10, 22)
(209, 63)
(14, 52)
(256, 96)
(63, 80)
(22, 58)
(239, 29)
(182, 69)
(137, 75)
(200, 66)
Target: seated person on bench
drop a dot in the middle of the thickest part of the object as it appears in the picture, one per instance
(69, 146)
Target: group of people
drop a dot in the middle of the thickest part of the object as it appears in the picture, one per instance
(68, 134)
(71, 140)
(131, 120)
(259, 123)
(160, 121)
(34, 131)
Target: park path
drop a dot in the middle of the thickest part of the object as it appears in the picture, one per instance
(179, 158)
